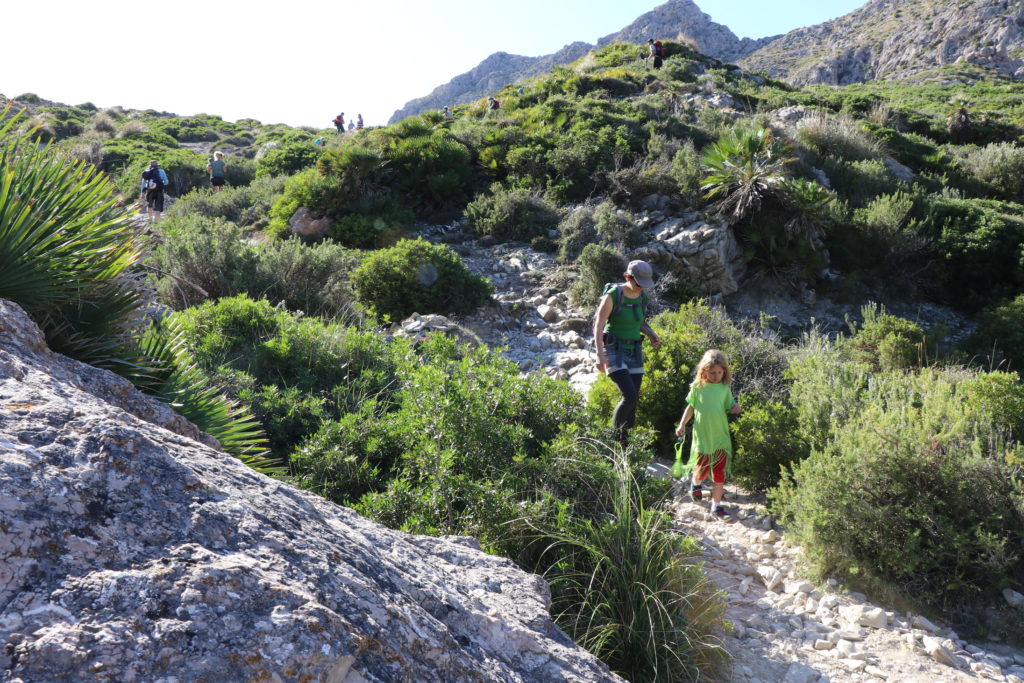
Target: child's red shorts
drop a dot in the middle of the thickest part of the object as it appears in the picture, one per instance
(717, 471)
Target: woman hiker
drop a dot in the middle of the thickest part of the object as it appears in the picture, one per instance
(618, 328)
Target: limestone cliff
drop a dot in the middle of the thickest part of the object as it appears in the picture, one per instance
(676, 20)
(131, 551)
(898, 39)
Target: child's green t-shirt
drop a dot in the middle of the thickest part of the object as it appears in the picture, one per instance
(711, 405)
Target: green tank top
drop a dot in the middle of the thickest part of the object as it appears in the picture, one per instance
(217, 168)
(626, 321)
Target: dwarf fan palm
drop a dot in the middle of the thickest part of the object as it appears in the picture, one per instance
(747, 166)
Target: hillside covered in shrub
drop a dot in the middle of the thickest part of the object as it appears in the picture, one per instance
(892, 453)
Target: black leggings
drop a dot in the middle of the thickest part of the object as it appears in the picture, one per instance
(628, 383)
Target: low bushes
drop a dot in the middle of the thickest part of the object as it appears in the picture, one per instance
(417, 277)
(511, 214)
(912, 494)
(1000, 334)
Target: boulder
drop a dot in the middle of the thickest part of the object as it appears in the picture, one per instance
(303, 224)
(1012, 597)
(131, 550)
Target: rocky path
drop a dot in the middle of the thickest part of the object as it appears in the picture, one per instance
(788, 629)
(531, 317)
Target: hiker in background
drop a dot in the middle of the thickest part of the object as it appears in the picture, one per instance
(217, 169)
(339, 122)
(359, 122)
(447, 111)
(320, 143)
(351, 125)
(709, 403)
(493, 104)
(619, 327)
(154, 180)
(656, 52)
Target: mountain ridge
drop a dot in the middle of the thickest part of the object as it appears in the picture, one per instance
(675, 19)
(898, 39)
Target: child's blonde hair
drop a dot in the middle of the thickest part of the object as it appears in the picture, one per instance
(218, 155)
(712, 357)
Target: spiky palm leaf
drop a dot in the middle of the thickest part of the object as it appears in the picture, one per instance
(746, 167)
(170, 375)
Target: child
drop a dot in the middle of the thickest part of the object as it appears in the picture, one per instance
(709, 400)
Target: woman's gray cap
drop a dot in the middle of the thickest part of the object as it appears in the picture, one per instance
(641, 272)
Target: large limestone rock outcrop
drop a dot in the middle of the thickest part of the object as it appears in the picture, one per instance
(132, 551)
(898, 39)
(698, 251)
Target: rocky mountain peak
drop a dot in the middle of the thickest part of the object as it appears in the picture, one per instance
(683, 20)
(899, 39)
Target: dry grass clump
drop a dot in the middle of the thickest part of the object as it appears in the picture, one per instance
(838, 136)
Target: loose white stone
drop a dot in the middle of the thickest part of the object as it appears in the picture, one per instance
(823, 644)
(853, 665)
(770, 536)
(1014, 598)
(804, 587)
(922, 622)
(874, 617)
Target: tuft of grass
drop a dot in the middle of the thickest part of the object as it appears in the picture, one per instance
(631, 591)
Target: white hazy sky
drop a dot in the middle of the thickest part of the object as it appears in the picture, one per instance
(300, 62)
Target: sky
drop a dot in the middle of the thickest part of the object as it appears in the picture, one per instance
(301, 62)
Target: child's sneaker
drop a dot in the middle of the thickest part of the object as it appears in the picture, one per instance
(721, 513)
(696, 494)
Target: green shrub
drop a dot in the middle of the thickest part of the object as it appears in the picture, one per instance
(349, 457)
(1001, 165)
(293, 372)
(1000, 334)
(199, 258)
(766, 437)
(314, 278)
(912, 495)
(887, 342)
(616, 227)
(598, 265)
(417, 277)
(688, 173)
(576, 231)
(982, 238)
(511, 214)
(286, 159)
(245, 205)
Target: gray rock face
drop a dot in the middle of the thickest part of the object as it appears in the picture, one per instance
(131, 551)
(705, 254)
(674, 20)
(897, 39)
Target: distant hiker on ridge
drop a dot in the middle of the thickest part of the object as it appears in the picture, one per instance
(217, 168)
(351, 125)
(154, 180)
(359, 122)
(493, 104)
(447, 111)
(339, 122)
(656, 52)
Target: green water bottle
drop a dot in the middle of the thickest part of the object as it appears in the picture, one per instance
(677, 469)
